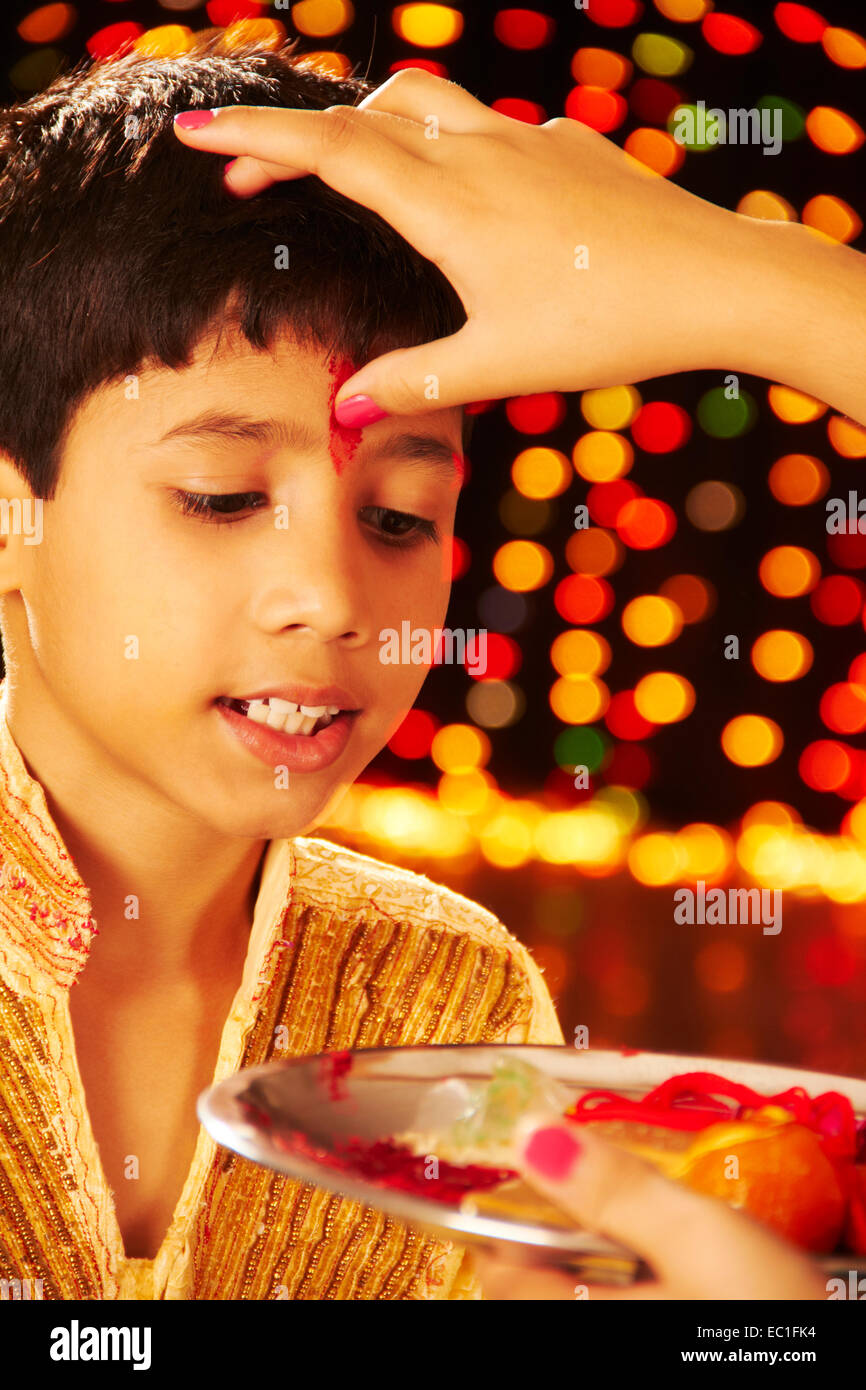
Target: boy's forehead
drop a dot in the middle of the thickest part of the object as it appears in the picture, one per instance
(232, 392)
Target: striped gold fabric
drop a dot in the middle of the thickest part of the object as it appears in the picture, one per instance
(344, 952)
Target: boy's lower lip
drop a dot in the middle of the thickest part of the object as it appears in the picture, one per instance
(297, 752)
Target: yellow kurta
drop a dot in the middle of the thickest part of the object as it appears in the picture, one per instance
(344, 952)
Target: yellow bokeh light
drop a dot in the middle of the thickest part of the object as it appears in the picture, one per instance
(465, 793)
(427, 26)
(789, 571)
(269, 32)
(847, 439)
(708, 851)
(832, 216)
(651, 621)
(656, 859)
(580, 652)
(751, 740)
(582, 836)
(579, 699)
(506, 841)
(594, 551)
(683, 11)
(843, 47)
(798, 479)
(321, 18)
(657, 149)
(770, 813)
(794, 407)
(522, 566)
(857, 820)
(780, 655)
(329, 63)
(599, 67)
(664, 698)
(541, 472)
(833, 131)
(460, 748)
(602, 455)
(610, 407)
(409, 822)
(165, 41)
(661, 55)
(628, 809)
(770, 207)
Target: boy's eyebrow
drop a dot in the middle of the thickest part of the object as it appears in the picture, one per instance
(422, 450)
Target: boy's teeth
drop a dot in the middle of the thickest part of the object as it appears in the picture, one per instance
(288, 717)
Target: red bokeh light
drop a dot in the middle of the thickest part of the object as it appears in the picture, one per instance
(523, 29)
(519, 110)
(660, 427)
(605, 501)
(581, 599)
(461, 557)
(415, 735)
(225, 12)
(614, 14)
(629, 766)
(857, 670)
(800, 23)
(843, 708)
(727, 33)
(847, 550)
(830, 962)
(114, 39)
(504, 657)
(428, 65)
(536, 414)
(645, 523)
(825, 765)
(623, 719)
(652, 100)
(597, 107)
(837, 600)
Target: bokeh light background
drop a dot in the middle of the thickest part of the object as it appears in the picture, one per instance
(610, 647)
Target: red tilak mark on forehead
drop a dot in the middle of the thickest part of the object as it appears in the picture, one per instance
(343, 440)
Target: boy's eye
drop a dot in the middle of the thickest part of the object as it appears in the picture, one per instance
(214, 506)
(401, 529)
(408, 529)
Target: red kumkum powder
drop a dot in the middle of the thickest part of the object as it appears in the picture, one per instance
(393, 1166)
(343, 440)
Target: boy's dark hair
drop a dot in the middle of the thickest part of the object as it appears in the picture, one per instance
(119, 244)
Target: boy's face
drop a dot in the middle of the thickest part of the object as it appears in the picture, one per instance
(134, 618)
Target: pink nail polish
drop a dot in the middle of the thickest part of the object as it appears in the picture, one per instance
(552, 1152)
(358, 411)
(193, 120)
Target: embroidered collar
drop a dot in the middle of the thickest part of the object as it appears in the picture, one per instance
(46, 910)
(46, 922)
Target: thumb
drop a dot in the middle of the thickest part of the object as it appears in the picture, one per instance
(697, 1245)
(446, 372)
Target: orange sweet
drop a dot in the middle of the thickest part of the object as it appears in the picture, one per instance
(777, 1172)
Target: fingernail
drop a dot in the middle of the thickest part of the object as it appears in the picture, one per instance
(552, 1152)
(193, 120)
(357, 411)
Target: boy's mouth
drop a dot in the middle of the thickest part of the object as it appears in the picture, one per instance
(284, 716)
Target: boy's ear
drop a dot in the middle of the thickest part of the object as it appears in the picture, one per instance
(20, 523)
